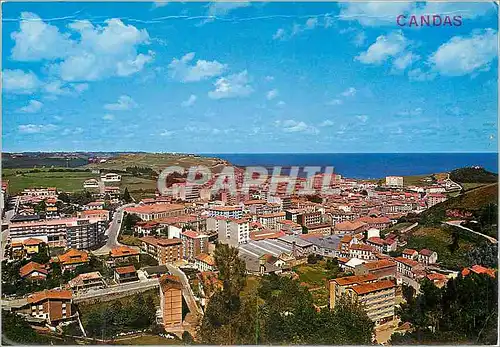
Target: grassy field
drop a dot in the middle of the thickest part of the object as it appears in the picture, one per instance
(312, 275)
(66, 181)
(156, 161)
(439, 240)
(320, 296)
(470, 186)
(129, 240)
(147, 340)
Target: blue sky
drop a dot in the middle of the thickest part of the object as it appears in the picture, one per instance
(248, 77)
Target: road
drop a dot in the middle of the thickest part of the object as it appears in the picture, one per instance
(187, 292)
(113, 231)
(456, 223)
(138, 286)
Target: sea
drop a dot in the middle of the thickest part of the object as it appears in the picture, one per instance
(367, 165)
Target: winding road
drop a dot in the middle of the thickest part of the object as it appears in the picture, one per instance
(457, 223)
(113, 231)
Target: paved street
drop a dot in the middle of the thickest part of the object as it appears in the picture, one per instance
(456, 223)
(113, 231)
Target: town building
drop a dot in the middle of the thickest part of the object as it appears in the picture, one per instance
(271, 220)
(156, 211)
(54, 306)
(204, 262)
(111, 177)
(427, 257)
(193, 244)
(394, 181)
(478, 269)
(86, 281)
(233, 212)
(435, 198)
(321, 228)
(72, 259)
(384, 268)
(378, 299)
(122, 255)
(162, 249)
(91, 183)
(309, 218)
(409, 253)
(33, 271)
(125, 274)
(338, 286)
(81, 233)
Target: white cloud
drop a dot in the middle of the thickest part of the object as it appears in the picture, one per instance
(123, 103)
(217, 8)
(359, 39)
(180, 69)
(80, 87)
(279, 34)
(166, 133)
(236, 85)
(272, 94)
(384, 47)
(190, 101)
(74, 131)
(37, 40)
(362, 118)
(404, 61)
(335, 102)
(464, 55)
(34, 106)
(19, 82)
(281, 103)
(414, 112)
(326, 123)
(36, 128)
(351, 91)
(269, 78)
(158, 4)
(85, 52)
(293, 126)
(108, 116)
(58, 88)
(310, 24)
(419, 75)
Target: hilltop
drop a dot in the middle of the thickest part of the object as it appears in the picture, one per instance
(473, 175)
(158, 161)
(471, 201)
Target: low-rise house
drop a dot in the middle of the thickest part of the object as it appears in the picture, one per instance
(319, 228)
(72, 259)
(52, 305)
(32, 246)
(349, 227)
(408, 267)
(146, 228)
(155, 271)
(86, 281)
(125, 274)
(123, 254)
(409, 253)
(33, 271)
(427, 256)
(380, 223)
(362, 251)
(170, 300)
(351, 264)
(204, 262)
(438, 279)
(90, 183)
(384, 268)
(478, 269)
(382, 245)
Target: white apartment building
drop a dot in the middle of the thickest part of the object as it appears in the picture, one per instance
(394, 181)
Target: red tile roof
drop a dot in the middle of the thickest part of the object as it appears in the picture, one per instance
(73, 256)
(31, 267)
(125, 269)
(53, 294)
(373, 287)
(123, 251)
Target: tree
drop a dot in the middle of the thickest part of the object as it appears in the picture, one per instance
(16, 330)
(126, 196)
(187, 339)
